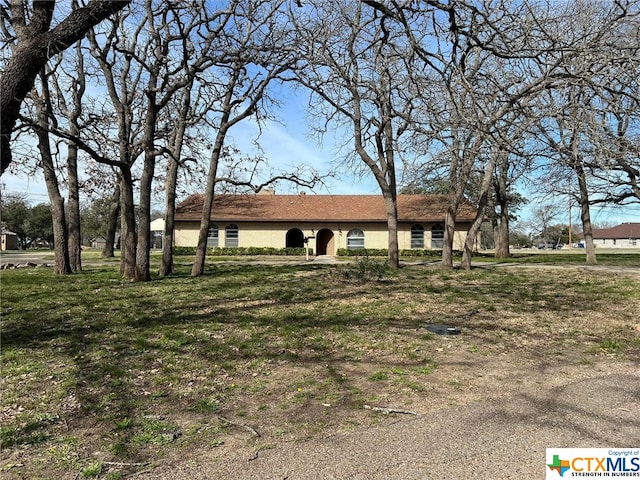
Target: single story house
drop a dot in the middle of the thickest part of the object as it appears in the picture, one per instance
(625, 235)
(327, 222)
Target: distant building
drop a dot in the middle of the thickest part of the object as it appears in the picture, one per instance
(157, 232)
(329, 222)
(9, 240)
(625, 235)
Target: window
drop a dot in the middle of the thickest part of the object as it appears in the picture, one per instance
(437, 236)
(231, 235)
(417, 236)
(355, 239)
(212, 236)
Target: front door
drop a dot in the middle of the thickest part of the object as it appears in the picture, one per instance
(325, 243)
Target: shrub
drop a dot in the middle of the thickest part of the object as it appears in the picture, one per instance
(362, 252)
(184, 250)
(243, 251)
(363, 269)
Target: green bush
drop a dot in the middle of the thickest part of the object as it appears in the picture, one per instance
(383, 252)
(414, 252)
(184, 250)
(362, 252)
(243, 251)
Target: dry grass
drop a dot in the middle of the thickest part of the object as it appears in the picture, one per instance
(96, 370)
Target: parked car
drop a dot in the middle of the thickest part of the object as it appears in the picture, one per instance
(550, 246)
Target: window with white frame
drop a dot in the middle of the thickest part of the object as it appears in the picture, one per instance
(231, 235)
(437, 236)
(355, 239)
(213, 235)
(417, 236)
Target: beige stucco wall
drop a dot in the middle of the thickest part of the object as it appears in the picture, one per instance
(616, 243)
(266, 234)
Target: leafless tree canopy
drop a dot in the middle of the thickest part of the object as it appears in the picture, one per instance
(470, 98)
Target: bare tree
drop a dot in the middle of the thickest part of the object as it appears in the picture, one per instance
(575, 120)
(144, 69)
(44, 114)
(35, 42)
(356, 70)
(74, 87)
(250, 55)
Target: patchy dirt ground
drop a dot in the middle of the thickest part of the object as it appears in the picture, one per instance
(279, 383)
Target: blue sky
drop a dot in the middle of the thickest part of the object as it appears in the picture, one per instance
(290, 142)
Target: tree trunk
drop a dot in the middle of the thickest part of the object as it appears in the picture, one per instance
(472, 234)
(501, 234)
(449, 233)
(166, 267)
(143, 260)
(143, 270)
(112, 227)
(462, 163)
(392, 225)
(501, 225)
(61, 257)
(577, 165)
(127, 227)
(201, 248)
(585, 215)
(483, 201)
(205, 219)
(75, 234)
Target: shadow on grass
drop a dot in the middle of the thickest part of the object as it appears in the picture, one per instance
(127, 348)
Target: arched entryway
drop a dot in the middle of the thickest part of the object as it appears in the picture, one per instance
(295, 238)
(325, 242)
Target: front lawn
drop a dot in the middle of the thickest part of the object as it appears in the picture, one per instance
(103, 378)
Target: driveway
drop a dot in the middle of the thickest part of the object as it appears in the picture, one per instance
(496, 439)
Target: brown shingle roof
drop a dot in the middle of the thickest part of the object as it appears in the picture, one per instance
(325, 208)
(624, 230)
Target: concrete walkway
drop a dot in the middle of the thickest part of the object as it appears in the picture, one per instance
(492, 440)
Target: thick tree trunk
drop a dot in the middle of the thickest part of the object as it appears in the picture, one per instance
(75, 234)
(585, 215)
(449, 234)
(391, 205)
(166, 267)
(61, 257)
(143, 269)
(501, 234)
(501, 225)
(472, 235)
(577, 165)
(127, 227)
